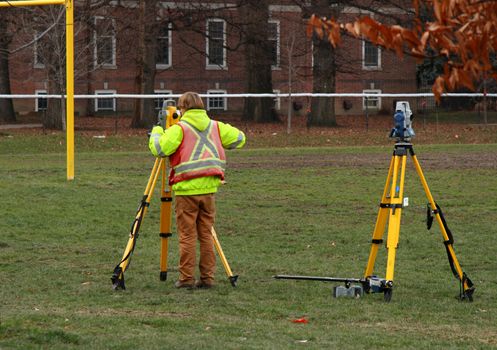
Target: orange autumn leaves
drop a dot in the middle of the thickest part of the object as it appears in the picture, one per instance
(464, 32)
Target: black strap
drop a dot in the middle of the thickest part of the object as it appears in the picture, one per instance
(134, 231)
(388, 205)
(448, 242)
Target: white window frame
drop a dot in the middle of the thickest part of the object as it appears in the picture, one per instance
(364, 67)
(224, 99)
(378, 99)
(170, 49)
(161, 92)
(37, 106)
(95, 46)
(210, 65)
(278, 44)
(105, 92)
(35, 51)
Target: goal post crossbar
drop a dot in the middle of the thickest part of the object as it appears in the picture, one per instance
(31, 3)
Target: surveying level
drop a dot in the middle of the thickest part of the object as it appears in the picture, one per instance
(168, 116)
(391, 205)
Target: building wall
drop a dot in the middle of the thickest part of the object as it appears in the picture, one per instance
(188, 70)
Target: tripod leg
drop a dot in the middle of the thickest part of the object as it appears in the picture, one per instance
(118, 275)
(165, 221)
(466, 284)
(397, 193)
(380, 225)
(227, 268)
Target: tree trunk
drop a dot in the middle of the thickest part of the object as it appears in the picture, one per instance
(145, 115)
(6, 105)
(258, 62)
(52, 118)
(324, 76)
(52, 49)
(87, 60)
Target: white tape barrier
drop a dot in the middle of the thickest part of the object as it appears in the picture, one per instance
(279, 95)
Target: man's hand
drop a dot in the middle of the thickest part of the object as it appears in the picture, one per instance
(158, 129)
(153, 142)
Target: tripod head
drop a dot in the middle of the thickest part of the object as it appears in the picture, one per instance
(169, 114)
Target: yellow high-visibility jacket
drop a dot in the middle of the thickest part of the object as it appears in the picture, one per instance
(163, 143)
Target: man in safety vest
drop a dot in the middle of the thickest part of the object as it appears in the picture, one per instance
(195, 147)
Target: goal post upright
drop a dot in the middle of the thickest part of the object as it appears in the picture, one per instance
(69, 5)
(70, 88)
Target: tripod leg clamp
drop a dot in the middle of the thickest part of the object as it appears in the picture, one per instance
(118, 279)
(233, 280)
(429, 216)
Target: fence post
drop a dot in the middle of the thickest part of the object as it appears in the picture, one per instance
(116, 119)
(367, 113)
(289, 112)
(485, 120)
(436, 115)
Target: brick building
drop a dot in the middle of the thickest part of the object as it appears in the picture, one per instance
(108, 62)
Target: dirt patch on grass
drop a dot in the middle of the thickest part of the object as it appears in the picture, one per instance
(438, 160)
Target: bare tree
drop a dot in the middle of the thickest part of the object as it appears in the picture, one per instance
(257, 61)
(329, 61)
(51, 51)
(7, 113)
(144, 115)
(247, 26)
(44, 34)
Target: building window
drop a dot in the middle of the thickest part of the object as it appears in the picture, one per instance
(104, 37)
(160, 101)
(216, 43)
(164, 47)
(277, 100)
(216, 103)
(40, 47)
(105, 104)
(41, 104)
(371, 102)
(274, 43)
(371, 56)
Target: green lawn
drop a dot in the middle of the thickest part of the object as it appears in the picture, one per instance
(283, 211)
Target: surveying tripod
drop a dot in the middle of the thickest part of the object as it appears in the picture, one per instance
(168, 116)
(391, 205)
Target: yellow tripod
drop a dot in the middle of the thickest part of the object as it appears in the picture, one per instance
(390, 211)
(392, 202)
(168, 117)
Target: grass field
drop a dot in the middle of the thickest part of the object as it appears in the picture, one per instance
(298, 210)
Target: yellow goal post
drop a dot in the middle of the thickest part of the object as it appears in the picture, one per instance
(69, 70)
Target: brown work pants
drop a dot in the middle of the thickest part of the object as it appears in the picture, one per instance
(194, 220)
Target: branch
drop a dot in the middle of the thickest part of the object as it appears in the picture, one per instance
(37, 38)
